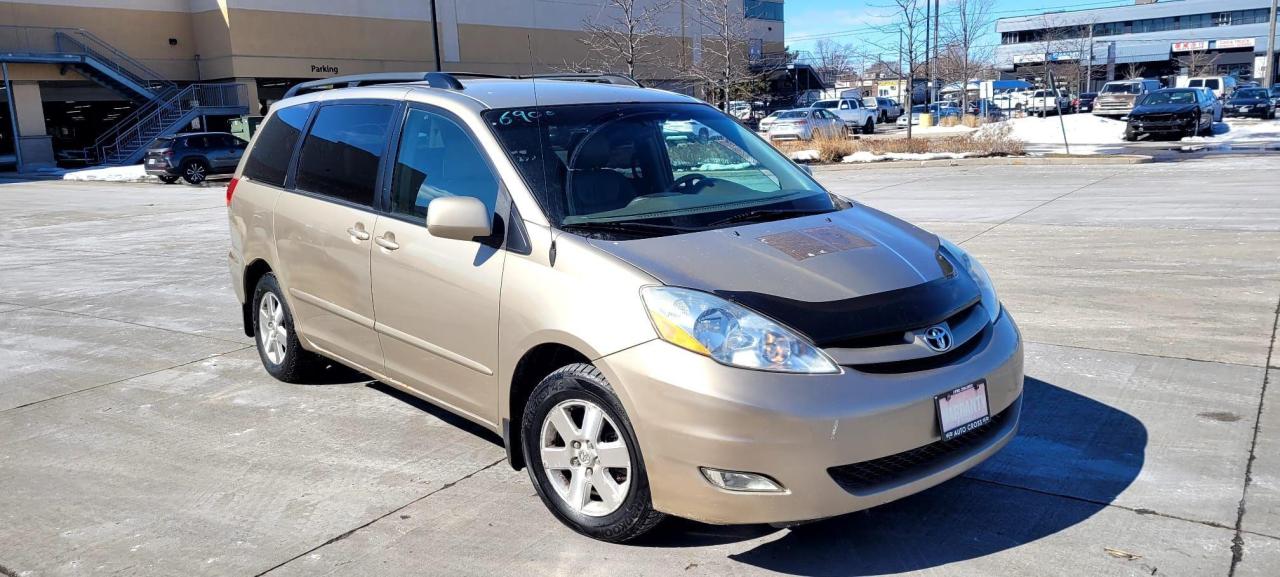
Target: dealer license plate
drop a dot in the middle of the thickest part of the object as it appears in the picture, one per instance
(962, 410)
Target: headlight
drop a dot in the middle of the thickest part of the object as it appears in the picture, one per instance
(730, 334)
(990, 301)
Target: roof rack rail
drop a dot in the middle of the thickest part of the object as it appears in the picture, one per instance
(445, 80)
(602, 78)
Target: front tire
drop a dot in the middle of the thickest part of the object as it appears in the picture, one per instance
(194, 171)
(869, 127)
(583, 457)
(277, 341)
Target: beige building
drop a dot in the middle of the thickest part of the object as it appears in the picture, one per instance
(77, 69)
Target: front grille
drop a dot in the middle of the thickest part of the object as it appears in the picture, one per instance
(870, 476)
(899, 337)
(1157, 118)
(927, 363)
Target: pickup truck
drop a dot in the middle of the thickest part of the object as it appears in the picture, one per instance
(1048, 101)
(856, 115)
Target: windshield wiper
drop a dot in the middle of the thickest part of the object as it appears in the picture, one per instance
(635, 228)
(767, 214)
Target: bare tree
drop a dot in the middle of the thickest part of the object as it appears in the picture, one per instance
(833, 59)
(964, 30)
(1134, 71)
(909, 23)
(1199, 63)
(625, 36)
(724, 70)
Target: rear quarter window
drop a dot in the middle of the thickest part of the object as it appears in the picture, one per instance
(268, 161)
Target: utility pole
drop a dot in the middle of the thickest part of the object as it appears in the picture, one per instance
(1088, 83)
(937, 37)
(928, 67)
(909, 100)
(1271, 49)
(435, 35)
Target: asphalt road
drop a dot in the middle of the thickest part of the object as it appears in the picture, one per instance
(140, 436)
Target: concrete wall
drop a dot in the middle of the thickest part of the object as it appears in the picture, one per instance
(219, 39)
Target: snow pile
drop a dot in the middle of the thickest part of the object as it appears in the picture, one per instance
(1233, 130)
(865, 156)
(807, 155)
(130, 173)
(1081, 129)
(713, 166)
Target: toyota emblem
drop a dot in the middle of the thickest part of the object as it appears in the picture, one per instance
(938, 338)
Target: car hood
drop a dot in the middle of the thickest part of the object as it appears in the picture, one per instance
(1162, 109)
(833, 277)
(1248, 101)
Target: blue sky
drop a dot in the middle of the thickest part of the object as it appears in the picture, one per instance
(855, 21)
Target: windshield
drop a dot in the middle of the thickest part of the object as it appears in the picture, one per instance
(601, 167)
(1178, 97)
(1120, 89)
(794, 114)
(1252, 93)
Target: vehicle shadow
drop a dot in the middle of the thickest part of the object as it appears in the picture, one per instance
(1068, 445)
(437, 412)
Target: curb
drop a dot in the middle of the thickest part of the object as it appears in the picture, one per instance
(1101, 159)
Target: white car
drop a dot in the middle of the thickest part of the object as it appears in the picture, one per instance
(768, 121)
(687, 129)
(804, 124)
(1048, 101)
(855, 114)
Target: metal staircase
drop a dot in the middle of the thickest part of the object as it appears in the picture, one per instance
(165, 108)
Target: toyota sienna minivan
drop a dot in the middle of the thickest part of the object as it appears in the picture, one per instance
(655, 326)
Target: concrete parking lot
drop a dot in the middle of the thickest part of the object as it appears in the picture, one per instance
(139, 434)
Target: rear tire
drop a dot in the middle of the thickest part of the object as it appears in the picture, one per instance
(195, 171)
(276, 339)
(563, 400)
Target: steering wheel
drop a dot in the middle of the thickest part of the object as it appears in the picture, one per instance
(690, 183)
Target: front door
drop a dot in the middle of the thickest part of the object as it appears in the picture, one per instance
(437, 298)
(324, 230)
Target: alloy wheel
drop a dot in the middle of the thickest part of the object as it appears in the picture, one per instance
(585, 457)
(271, 332)
(195, 172)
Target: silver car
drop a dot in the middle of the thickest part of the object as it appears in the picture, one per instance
(805, 124)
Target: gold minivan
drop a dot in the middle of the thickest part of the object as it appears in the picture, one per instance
(659, 313)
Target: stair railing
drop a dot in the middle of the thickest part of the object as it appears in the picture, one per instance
(130, 136)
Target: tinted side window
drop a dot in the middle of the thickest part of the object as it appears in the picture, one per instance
(438, 158)
(341, 152)
(274, 145)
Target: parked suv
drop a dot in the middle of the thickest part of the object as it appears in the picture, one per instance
(654, 326)
(1119, 97)
(856, 115)
(193, 156)
(888, 110)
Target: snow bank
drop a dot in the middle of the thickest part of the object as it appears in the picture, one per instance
(865, 156)
(130, 173)
(807, 155)
(1081, 129)
(1232, 130)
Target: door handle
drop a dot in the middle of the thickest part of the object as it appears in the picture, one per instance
(387, 241)
(357, 232)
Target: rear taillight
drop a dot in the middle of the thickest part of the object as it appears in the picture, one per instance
(231, 189)
(167, 154)
(802, 122)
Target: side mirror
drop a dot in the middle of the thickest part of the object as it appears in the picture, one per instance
(458, 218)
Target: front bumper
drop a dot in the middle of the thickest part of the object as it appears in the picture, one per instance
(1258, 111)
(804, 431)
(1162, 127)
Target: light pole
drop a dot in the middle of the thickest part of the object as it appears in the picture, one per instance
(435, 36)
(1271, 48)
